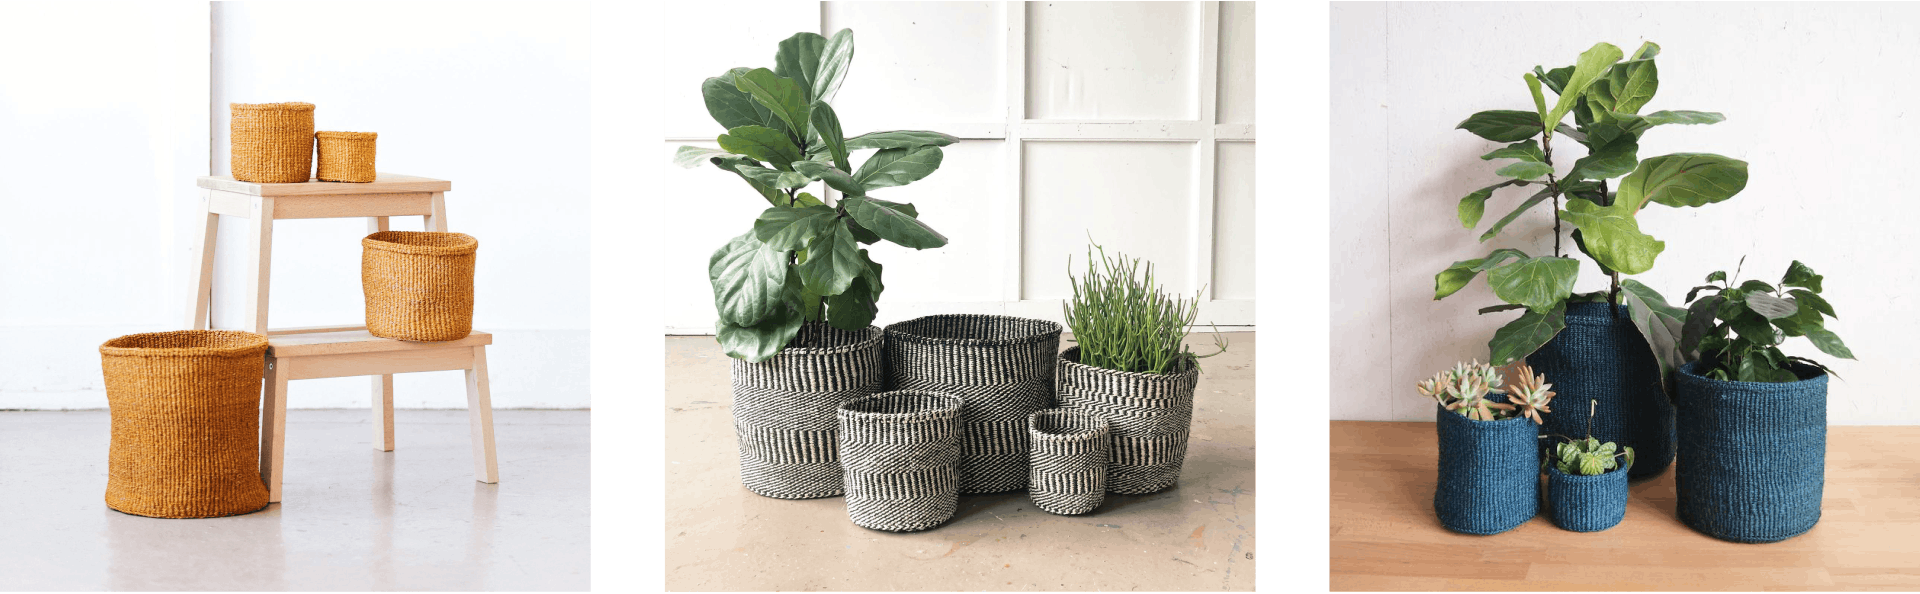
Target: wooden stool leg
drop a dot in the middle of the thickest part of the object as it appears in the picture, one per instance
(258, 263)
(438, 220)
(486, 468)
(202, 257)
(383, 412)
(273, 426)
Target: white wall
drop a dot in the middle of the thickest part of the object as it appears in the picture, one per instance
(1810, 104)
(122, 113)
(1130, 121)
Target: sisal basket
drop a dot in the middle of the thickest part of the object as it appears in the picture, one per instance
(1603, 358)
(272, 142)
(344, 156)
(1151, 415)
(901, 454)
(186, 423)
(419, 284)
(783, 409)
(1001, 365)
(1753, 455)
(1069, 461)
(1489, 477)
(1587, 503)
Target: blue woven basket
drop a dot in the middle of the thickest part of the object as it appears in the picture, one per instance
(1489, 473)
(1601, 357)
(1587, 503)
(1753, 455)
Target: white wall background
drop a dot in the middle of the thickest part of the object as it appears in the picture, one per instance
(1130, 121)
(1813, 102)
(123, 104)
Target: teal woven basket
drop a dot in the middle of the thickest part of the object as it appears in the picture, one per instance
(1753, 455)
(1489, 473)
(1584, 503)
(1603, 358)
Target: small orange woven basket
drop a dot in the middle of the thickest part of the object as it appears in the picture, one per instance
(419, 284)
(186, 423)
(345, 156)
(272, 142)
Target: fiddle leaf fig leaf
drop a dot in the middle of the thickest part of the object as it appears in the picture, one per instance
(732, 163)
(762, 144)
(1612, 236)
(792, 228)
(892, 224)
(1525, 170)
(1683, 179)
(900, 139)
(833, 261)
(761, 341)
(1455, 277)
(1539, 101)
(1540, 283)
(693, 156)
(749, 280)
(727, 104)
(1503, 125)
(1530, 202)
(828, 125)
(799, 59)
(898, 167)
(780, 95)
(779, 180)
(854, 308)
(1613, 160)
(1525, 335)
(1592, 64)
(1627, 87)
(835, 178)
(1474, 204)
(1525, 150)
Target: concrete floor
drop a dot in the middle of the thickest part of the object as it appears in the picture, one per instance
(351, 518)
(1197, 535)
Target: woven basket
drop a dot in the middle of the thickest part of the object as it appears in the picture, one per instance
(186, 423)
(1489, 479)
(1587, 503)
(784, 409)
(1002, 366)
(1149, 414)
(1752, 463)
(344, 156)
(1069, 474)
(1603, 358)
(419, 284)
(272, 143)
(901, 453)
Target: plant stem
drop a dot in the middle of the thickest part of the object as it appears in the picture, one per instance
(1553, 185)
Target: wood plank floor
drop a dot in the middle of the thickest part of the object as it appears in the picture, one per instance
(1385, 535)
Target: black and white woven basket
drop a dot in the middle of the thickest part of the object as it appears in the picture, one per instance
(901, 452)
(1069, 461)
(1150, 416)
(1001, 366)
(783, 409)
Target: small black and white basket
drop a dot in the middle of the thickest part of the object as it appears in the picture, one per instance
(1151, 415)
(1069, 461)
(901, 453)
(1002, 366)
(783, 409)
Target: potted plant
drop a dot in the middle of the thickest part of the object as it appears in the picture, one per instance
(1605, 345)
(1753, 420)
(1587, 481)
(1132, 367)
(1489, 477)
(796, 294)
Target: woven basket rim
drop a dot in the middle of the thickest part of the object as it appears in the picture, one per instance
(244, 344)
(459, 244)
(1605, 317)
(949, 407)
(1476, 423)
(1556, 474)
(899, 331)
(1073, 362)
(286, 106)
(1101, 427)
(348, 135)
(874, 336)
(1800, 369)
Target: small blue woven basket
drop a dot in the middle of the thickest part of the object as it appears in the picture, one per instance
(1753, 455)
(1587, 503)
(1489, 473)
(1601, 357)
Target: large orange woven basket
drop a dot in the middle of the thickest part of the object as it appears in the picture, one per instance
(344, 156)
(186, 423)
(272, 142)
(419, 285)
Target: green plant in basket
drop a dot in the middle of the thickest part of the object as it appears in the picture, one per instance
(1736, 330)
(1589, 457)
(1465, 388)
(802, 260)
(1124, 321)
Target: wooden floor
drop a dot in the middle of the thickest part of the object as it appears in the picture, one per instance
(1385, 535)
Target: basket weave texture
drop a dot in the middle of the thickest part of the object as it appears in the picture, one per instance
(1002, 366)
(344, 156)
(1584, 503)
(418, 284)
(784, 417)
(1752, 463)
(186, 423)
(1603, 358)
(901, 453)
(1149, 415)
(1489, 479)
(1069, 461)
(272, 143)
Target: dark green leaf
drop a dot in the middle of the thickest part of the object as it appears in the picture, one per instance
(733, 163)
(1799, 275)
(1627, 86)
(1455, 277)
(833, 261)
(1615, 159)
(1753, 328)
(1537, 198)
(1696, 291)
(1802, 320)
(1809, 299)
(1503, 125)
(898, 167)
(1612, 236)
(1527, 170)
(1525, 335)
(762, 143)
(1718, 275)
(1555, 79)
(1756, 286)
(835, 178)
(780, 95)
(759, 342)
(1699, 324)
(828, 125)
(854, 308)
(1525, 150)
(791, 228)
(1636, 124)
(1683, 179)
(1502, 307)
(1660, 324)
(1541, 283)
(779, 180)
(748, 280)
(892, 224)
(799, 59)
(901, 139)
(1829, 343)
(835, 61)
(727, 104)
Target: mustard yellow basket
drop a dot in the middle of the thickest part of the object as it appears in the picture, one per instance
(186, 423)
(272, 142)
(419, 284)
(345, 156)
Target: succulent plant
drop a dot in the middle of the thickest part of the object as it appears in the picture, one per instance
(1589, 456)
(1530, 394)
(1464, 390)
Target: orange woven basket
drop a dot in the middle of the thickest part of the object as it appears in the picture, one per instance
(186, 423)
(344, 156)
(272, 142)
(419, 285)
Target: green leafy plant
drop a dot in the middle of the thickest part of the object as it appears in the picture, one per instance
(802, 261)
(1737, 329)
(1124, 321)
(1604, 94)
(1464, 390)
(1589, 456)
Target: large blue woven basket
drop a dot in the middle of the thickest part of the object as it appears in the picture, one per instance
(1587, 503)
(1602, 357)
(1489, 473)
(1753, 455)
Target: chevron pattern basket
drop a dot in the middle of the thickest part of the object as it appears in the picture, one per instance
(1752, 465)
(783, 409)
(1149, 414)
(1587, 503)
(901, 453)
(1069, 474)
(1489, 479)
(1002, 366)
(1601, 357)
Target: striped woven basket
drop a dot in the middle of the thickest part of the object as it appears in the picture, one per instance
(1601, 357)
(901, 454)
(1150, 416)
(344, 156)
(1584, 503)
(272, 143)
(418, 284)
(1753, 455)
(186, 423)
(1069, 461)
(1489, 479)
(1002, 366)
(784, 417)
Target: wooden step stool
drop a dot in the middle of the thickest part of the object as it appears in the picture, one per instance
(340, 351)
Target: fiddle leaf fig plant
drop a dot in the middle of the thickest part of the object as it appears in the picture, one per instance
(1737, 329)
(802, 261)
(1603, 94)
